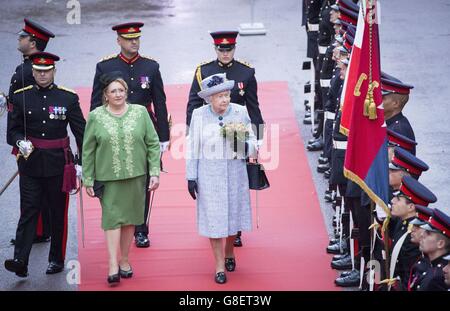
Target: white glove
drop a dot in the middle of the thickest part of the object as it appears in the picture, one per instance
(163, 146)
(79, 170)
(25, 147)
(381, 214)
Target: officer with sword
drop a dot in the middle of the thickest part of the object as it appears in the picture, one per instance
(40, 115)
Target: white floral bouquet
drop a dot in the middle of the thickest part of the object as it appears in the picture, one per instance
(236, 133)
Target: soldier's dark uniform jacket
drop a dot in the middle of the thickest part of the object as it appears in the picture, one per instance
(432, 279)
(409, 252)
(40, 105)
(244, 91)
(312, 18)
(400, 124)
(145, 87)
(417, 271)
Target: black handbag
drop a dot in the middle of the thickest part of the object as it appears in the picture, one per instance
(257, 179)
(98, 189)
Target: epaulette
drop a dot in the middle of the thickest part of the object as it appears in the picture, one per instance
(67, 90)
(244, 63)
(108, 57)
(205, 63)
(29, 87)
(148, 57)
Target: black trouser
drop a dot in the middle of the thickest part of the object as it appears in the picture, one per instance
(144, 228)
(328, 138)
(33, 192)
(43, 229)
(363, 215)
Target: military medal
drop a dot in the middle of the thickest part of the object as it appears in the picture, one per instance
(144, 82)
(51, 111)
(241, 88)
(63, 113)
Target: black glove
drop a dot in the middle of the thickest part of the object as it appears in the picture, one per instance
(192, 188)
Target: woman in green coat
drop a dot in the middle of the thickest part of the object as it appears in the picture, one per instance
(120, 147)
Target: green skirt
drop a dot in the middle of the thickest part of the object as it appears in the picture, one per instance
(123, 202)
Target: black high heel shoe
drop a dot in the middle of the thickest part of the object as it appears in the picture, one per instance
(230, 264)
(126, 274)
(220, 277)
(114, 279)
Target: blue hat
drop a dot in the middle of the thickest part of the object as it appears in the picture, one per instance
(215, 84)
(423, 215)
(439, 222)
(407, 161)
(390, 85)
(396, 139)
(416, 192)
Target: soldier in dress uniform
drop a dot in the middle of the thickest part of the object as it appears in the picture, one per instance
(422, 217)
(435, 243)
(32, 38)
(245, 89)
(410, 194)
(395, 96)
(40, 115)
(146, 88)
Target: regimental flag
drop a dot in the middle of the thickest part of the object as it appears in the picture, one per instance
(366, 159)
(351, 78)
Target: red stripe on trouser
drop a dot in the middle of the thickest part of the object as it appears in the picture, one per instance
(64, 239)
(40, 226)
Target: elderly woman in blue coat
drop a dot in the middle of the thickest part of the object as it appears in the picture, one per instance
(216, 170)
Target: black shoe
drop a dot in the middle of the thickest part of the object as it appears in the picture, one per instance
(307, 114)
(114, 279)
(323, 160)
(307, 121)
(220, 278)
(230, 264)
(327, 174)
(141, 240)
(339, 256)
(333, 241)
(125, 274)
(342, 264)
(41, 239)
(313, 140)
(17, 266)
(350, 280)
(12, 241)
(237, 241)
(338, 248)
(328, 197)
(322, 168)
(344, 273)
(316, 146)
(54, 267)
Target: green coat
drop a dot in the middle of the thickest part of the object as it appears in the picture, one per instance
(118, 148)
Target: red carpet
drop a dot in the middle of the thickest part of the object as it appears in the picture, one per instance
(287, 252)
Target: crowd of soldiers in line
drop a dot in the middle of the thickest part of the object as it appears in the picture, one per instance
(413, 253)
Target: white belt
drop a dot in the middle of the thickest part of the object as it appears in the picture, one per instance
(323, 49)
(325, 82)
(337, 144)
(313, 27)
(329, 115)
